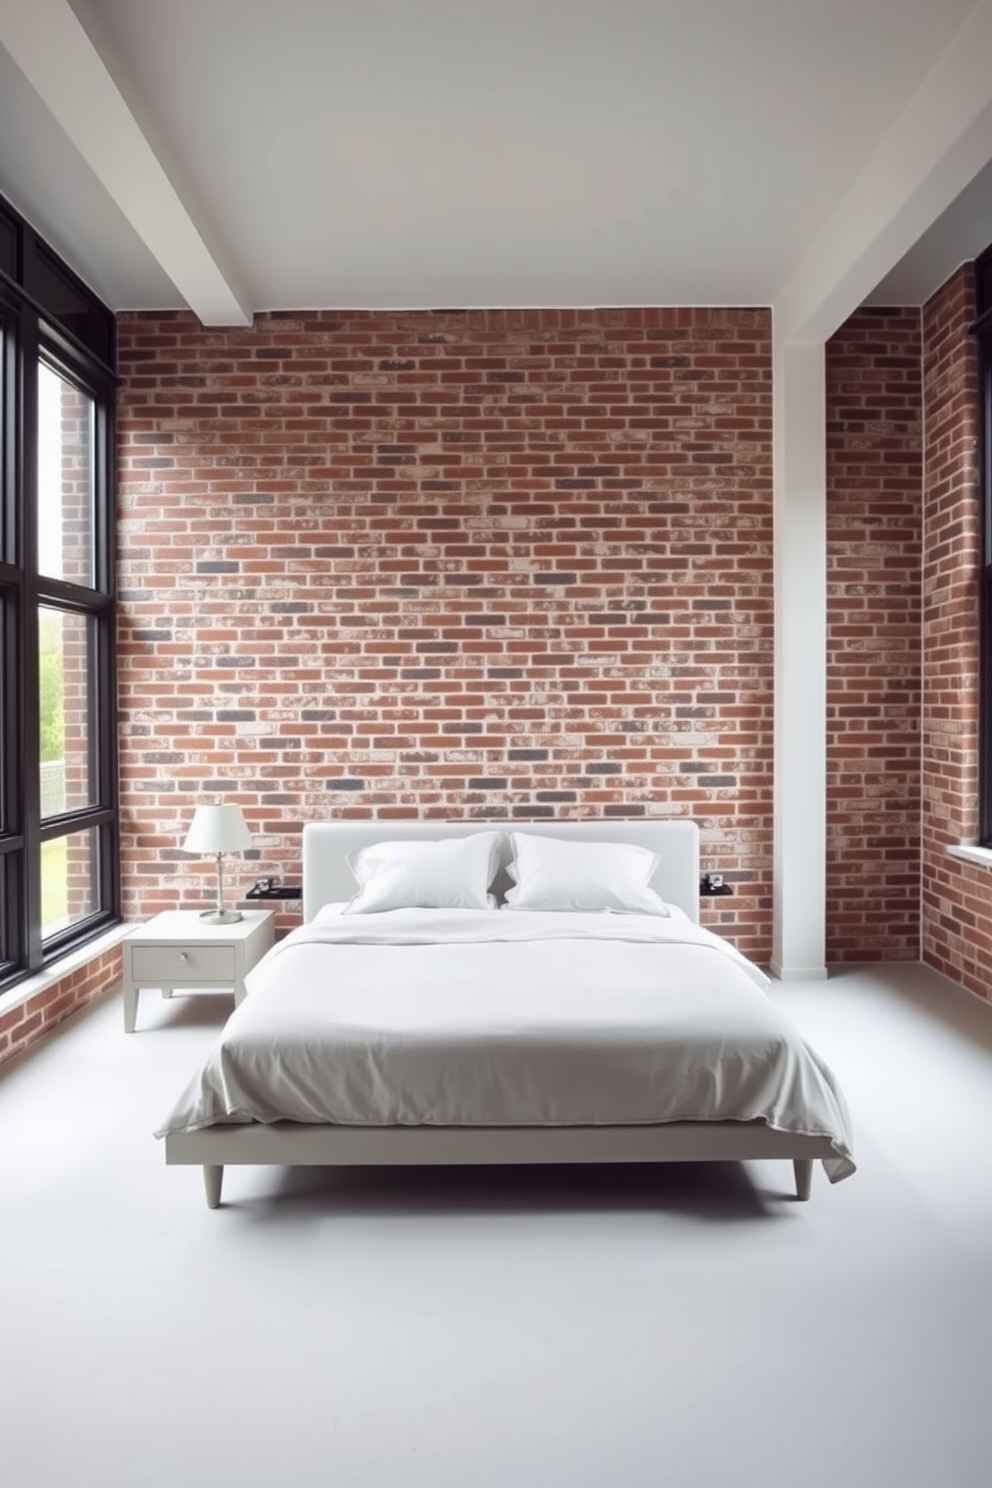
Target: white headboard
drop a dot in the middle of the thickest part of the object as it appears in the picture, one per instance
(326, 845)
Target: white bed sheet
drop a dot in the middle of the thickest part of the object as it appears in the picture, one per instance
(485, 1018)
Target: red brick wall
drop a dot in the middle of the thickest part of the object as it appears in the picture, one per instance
(504, 564)
(957, 904)
(25, 1024)
(874, 459)
(519, 564)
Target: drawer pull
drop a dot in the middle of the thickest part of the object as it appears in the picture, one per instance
(183, 956)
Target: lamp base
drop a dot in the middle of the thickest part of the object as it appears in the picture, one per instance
(221, 916)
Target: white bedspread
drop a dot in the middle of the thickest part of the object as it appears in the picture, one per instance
(489, 1018)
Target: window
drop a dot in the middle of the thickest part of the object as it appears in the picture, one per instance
(59, 837)
(983, 331)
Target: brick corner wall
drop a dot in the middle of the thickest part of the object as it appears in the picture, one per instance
(874, 519)
(957, 908)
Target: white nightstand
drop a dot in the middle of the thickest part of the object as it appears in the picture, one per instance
(179, 951)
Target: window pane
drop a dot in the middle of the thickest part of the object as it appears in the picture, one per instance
(8, 552)
(8, 247)
(65, 671)
(65, 479)
(8, 709)
(68, 881)
(6, 953)
(69, 301)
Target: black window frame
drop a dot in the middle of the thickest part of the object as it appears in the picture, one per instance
(48, 315)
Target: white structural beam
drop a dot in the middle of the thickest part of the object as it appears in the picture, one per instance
(799, 948)
(52, 49)
(937, 145)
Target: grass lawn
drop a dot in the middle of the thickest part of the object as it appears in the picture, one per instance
(54, 891)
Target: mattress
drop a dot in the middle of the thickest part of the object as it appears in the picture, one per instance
(467, 1018)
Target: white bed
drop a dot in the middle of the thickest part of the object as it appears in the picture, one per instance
(476, 1035)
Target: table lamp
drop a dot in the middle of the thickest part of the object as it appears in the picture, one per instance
(218, 829)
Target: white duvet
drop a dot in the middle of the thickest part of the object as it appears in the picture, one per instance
(492, 1018)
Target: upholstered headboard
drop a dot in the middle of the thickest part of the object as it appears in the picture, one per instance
(327, 844)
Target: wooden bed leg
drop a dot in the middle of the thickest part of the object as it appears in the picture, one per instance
(213, 1177)
(804, 1176)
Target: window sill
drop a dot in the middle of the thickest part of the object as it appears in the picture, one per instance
(972, 853)
(65, 966)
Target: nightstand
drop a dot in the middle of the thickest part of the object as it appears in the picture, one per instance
(177, 951)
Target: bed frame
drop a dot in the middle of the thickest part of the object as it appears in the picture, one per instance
(326, 879)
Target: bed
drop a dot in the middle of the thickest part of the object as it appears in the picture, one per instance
(385, 1031)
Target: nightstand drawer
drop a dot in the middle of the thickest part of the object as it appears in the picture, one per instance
(155, 965)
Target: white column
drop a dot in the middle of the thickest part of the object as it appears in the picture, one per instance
(799, 441)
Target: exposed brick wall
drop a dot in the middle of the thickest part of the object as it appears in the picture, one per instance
(957, 904)
(487, 564)
(39, 1015)
(874, 515)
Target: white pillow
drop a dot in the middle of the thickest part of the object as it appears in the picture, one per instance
(449, 873)
(555, 873)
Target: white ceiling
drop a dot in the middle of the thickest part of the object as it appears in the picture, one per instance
(243, 155)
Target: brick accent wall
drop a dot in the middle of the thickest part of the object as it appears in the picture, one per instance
(494, 564)
(957, 905)
(39, 1015)
(874, 516)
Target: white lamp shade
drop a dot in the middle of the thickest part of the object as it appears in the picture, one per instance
(217, 829)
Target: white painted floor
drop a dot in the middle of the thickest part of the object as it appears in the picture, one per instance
(684, 1326)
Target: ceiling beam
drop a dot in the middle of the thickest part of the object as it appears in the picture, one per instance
(50, 46)
(935, 148)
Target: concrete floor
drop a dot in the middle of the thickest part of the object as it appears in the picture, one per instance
(691, 1326)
